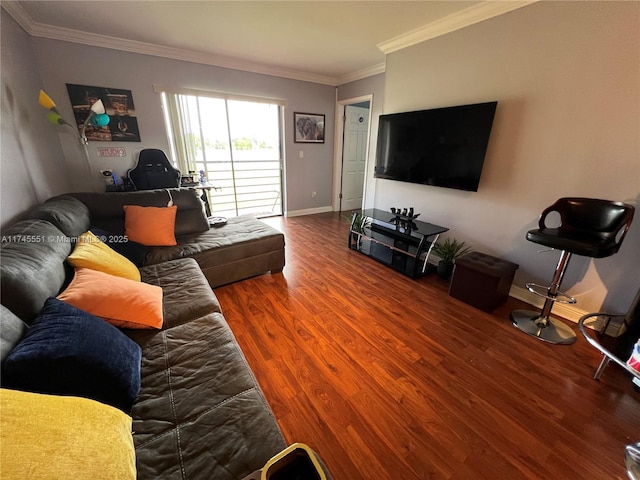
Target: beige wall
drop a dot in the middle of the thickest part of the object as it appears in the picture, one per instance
(567, 79)
(33, 167)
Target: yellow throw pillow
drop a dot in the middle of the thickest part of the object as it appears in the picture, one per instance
(92, 253)
(151, 226)
(50, 436)
(121, 302)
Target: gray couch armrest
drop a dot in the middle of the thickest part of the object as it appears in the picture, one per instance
(32, 266)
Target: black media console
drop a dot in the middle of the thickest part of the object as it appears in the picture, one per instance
(400, 242)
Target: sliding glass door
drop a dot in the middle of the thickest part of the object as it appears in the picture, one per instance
(236, 145)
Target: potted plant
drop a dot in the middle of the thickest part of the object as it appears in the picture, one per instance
(448, 251)
(358, 223)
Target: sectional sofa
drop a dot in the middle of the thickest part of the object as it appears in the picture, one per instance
(197, 411)
(242, 248)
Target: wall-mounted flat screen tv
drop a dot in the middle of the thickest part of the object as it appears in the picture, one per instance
(444, 147)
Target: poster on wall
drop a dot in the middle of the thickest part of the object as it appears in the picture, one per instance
(123, 125)
(309, 127)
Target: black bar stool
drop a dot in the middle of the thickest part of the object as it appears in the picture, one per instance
(589, 227)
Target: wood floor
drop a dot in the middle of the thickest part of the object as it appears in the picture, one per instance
(390, 378)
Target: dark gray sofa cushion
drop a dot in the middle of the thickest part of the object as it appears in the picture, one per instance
(200, 412)
(32, 266)
(217, 427)
(107, 212)
(185, 294)
(242, 248)
(12, 329)
(240, 238)
(67, 214)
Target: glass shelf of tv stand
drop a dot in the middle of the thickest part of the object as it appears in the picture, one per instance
(397, 241)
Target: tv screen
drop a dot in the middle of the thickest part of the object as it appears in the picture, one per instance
(444, 147)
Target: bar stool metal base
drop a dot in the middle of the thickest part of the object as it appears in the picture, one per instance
(547, 329)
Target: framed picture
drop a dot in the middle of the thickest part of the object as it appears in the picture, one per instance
(308, 127)
(118, 103)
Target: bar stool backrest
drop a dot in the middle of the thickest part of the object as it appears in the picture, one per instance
(592, 217)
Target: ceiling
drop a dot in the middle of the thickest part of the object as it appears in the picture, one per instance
(325, 41)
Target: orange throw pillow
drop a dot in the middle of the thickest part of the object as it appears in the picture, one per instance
(151, 226)
(121, 302)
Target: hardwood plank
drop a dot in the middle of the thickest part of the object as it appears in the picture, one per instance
(388, 377)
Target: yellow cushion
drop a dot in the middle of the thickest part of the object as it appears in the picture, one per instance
(150, 226)
(122, 302)
(90, 252)
(59, 437)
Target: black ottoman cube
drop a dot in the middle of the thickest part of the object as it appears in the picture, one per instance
(482, 280)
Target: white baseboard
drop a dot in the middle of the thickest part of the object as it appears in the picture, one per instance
(308, 211)
(568, 311)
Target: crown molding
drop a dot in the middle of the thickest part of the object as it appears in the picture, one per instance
(133, 46)
(470, 16)
(464, 18)
(36, 29)
(19, 14)
(362, 73)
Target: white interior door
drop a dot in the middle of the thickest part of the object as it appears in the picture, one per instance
(354, 154)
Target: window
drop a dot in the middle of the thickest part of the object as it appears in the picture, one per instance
(236, 143)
